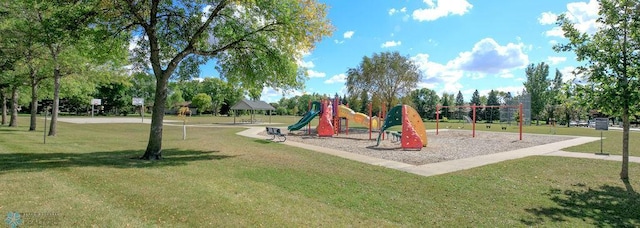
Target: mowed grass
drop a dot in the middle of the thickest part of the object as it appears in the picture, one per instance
(85, 176)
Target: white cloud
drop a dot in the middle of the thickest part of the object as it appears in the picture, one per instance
(513, 89)
(315, 74)
(570, 73)
(436, 74)
(393, 11)
(506, 74)
(392, 43)
(547, 18)
(338, 78)
(270, 95)
(306, 64)
(205, 13)
(427, 85)
(403, 10)
(348, 34)
(441, 8)
(555, 31)
(583, 14)
(487, 56)
(556, 59)
(338, 41)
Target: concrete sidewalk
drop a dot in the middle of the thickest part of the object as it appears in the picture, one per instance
(551, 149)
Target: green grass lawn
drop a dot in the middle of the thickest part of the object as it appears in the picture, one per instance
(85, 176)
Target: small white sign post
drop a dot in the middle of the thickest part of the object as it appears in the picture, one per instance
(602, 124)
(95, 102)
(137, 101)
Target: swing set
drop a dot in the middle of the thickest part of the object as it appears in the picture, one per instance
(488, 125)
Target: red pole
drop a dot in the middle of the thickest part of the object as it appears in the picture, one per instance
(370, 117)
(437, 118)
(474, 120)
(309, 126)
(521, 121)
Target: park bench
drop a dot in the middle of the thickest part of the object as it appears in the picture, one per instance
(276, 133)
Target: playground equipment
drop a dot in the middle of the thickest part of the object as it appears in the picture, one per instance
(325, 125)
(473, 122)
(331, 114)
(414, 134)
(360, 118)
(314, 110)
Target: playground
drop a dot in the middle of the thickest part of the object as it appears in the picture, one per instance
(413, 144)
(447, 145)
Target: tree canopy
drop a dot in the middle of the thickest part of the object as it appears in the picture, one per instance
(536, 86)
(611, 63)
(255, 44)
(386, 76)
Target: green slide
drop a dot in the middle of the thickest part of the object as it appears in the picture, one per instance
(315, 110)
(304, 121)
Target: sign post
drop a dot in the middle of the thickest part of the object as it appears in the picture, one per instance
(94, 102)
(137, 101)
(602, 124)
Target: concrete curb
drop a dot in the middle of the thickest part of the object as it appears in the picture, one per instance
(551, 149)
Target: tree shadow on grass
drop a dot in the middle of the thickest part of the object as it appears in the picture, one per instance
(604, 206)
(115, 159)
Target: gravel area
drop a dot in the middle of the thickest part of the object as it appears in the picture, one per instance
(448, 145)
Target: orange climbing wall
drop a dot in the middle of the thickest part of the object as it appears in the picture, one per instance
(417, 124)
(410, 137)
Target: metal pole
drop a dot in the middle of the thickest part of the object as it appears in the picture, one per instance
(44, 134)
(370, 117)
(601, 142)
(437, 119)
(474, 120)
(92, 110)
(142, 112)
(309, 125)
(521, 121)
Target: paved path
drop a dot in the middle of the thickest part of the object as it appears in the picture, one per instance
(551, 149)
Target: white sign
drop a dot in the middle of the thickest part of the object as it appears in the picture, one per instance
(137, 101)
(96, 101)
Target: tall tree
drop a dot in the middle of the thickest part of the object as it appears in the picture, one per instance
(555, 88)
(492, 113)
(387, 76)
(445, 102)
(425, 101)
(611, 60)
(364, 101)
(537, 86)
(60, 26)
(475, 100)
(254, 43)
(459, 102)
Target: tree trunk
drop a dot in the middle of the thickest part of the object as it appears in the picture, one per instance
(3, 97)
(14, 107)
(34, 104)
(53, 126)
(624, 173)
(154, 147)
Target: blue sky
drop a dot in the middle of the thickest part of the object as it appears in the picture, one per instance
(459, 44)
